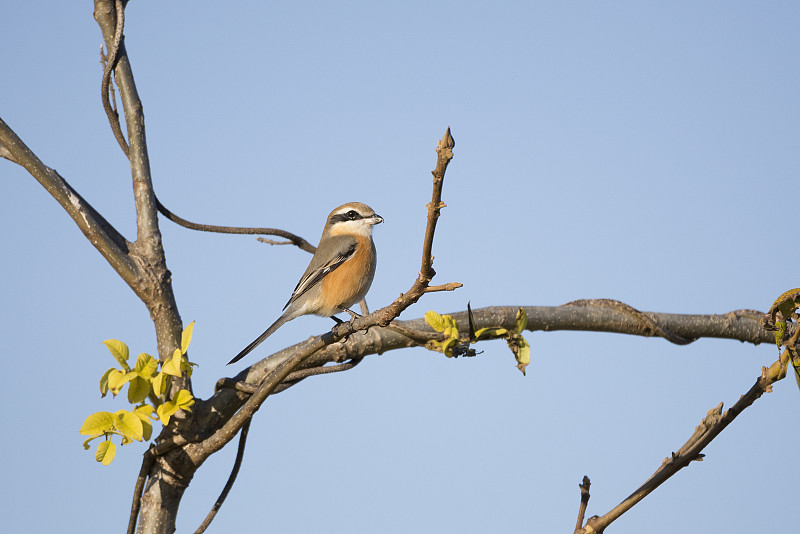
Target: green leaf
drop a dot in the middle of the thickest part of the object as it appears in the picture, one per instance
(186, 337)
(119, 351)
(165, 411)
(147, 430)
(138, 390)
(160, 384)
(187, 366)
(116, 380)
(172, 366)
(97, 424)
(447, 346)
(490, 332)
(105, 452)
(780, 333)
(183, 399)
(788, 302)
(521, 322)
(146, 366)
(144, 412)
(450, 326)
(129, 425)
(435, 321)
(523, 355)
(104, 382)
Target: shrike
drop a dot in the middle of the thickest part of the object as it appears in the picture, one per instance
(340, 272)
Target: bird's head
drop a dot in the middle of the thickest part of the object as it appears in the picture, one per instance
(353, 218)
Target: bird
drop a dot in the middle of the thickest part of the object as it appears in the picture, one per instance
(340, 273)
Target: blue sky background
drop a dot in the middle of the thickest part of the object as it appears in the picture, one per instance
(627, 150)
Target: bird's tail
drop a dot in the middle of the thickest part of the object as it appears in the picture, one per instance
(268, 332)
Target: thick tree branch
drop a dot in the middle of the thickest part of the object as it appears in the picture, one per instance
(100, 233)
(741, 325)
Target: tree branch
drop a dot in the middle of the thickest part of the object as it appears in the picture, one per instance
(229, 484)
(160, 298)
(100, 233)
(584, 501)
(293, 239)
(740, 325)
(709, 428)
(110, 61)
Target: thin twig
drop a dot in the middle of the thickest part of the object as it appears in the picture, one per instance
(229, 484)
(302, 374)
(272, 241)
(584, 501)
(111, 62)
(293, 377)
(420, 336)
(295, 240)
(451, 286)
(709, 428)
(138, 489)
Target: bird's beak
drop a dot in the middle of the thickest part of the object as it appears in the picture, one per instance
(375, 219)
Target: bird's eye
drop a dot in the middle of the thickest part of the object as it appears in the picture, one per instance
(352, 215)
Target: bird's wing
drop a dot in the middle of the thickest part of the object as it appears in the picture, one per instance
(343, 248)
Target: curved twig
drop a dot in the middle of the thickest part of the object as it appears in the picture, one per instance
(231, 479)
(110, 61)
(138, 489)
(294, 239)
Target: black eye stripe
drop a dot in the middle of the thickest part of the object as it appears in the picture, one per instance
(351, 215)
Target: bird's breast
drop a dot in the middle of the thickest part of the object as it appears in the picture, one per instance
(349, 283)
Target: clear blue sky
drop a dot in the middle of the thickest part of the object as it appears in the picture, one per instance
(627, 150)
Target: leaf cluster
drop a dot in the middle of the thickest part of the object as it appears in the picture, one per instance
(780, 316)
(148, 380)
(453, 345)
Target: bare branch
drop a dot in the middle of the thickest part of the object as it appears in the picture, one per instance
(584, 501)
(709, 428)
(6, 154)
(149, 237)
(110, 61)
(138, 488)
(231, 479)
(741, 325)
(293, 239)
(647, 322)
(105, 238)
(451, 286)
